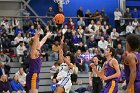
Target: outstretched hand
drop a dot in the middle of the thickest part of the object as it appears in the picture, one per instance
(49, 34)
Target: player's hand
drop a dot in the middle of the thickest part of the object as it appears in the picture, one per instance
(104, 77)
(92, 65)
(49, 34)
(128, 90)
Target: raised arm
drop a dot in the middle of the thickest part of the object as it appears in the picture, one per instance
(45, 38)
(35, 44)
(67, 61)
(61, 51)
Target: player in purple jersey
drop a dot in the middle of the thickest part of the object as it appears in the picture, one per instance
(35, 62)
(109, 73)
(132, 64)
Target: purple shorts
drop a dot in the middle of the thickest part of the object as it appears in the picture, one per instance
(110, 87)
(32, 81)
(136, 87)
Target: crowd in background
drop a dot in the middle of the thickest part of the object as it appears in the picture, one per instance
(84, 38)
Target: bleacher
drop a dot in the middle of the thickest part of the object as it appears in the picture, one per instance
(45, 75)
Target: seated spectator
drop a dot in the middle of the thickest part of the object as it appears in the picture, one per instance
(31, 30)
(97, 25)
(4, 58)
(81, 47)
(68, 35)
(79, 61)
(66, 47)
(58, 36)
(6, 42)
(103, 44)
(19, 30)
(80, 32)
(110, 42)
(20, 51)
(87, 61)
(11, 33)
(53, 84)
(81, 22)
(91, 25)
(135, 13)
(27, 39)
(16, 86)
(4, 84)
(137, 31)
(4, 69)
(98, 36)
(91, 43)
(105, 26)
(39, 29)
(75, 39)
(119, 53)
(105, 35)
(44, 52)
(55, 50)
(5, 23)
(70, 23)
(129, 28)
(135, 23)
(37, 22)
(17, 39)
(64, 30)
(52, 25)
(22, 76)
(87, 34)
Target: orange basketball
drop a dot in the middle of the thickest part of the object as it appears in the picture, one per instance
(59, 18)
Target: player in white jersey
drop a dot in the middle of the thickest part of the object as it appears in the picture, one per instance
(65, 71)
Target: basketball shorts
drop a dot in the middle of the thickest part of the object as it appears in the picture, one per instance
(110, 87)
(66, 84)
(32, 81)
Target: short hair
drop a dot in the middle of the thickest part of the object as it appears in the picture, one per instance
(133, 41)
(113, 51)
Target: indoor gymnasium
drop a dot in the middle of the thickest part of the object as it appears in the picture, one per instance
(69, 46)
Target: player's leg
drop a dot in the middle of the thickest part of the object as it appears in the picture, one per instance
(59, 90)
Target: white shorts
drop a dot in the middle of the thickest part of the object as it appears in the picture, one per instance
(66, 84)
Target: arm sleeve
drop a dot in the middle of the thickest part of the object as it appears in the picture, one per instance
(13, 86)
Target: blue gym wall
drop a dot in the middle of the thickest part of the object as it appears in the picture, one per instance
(108, 5)
(41, 6)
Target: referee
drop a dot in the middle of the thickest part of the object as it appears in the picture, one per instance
(96, 82)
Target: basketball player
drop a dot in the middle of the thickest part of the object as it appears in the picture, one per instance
(109, 73)
(132, 64)
(66, 68)
(35, 62)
